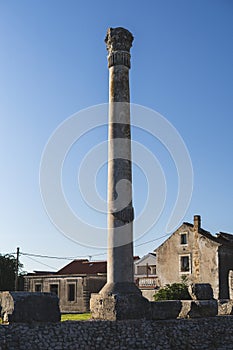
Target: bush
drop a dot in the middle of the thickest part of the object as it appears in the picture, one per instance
(174, 291)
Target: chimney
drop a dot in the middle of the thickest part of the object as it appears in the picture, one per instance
(197, 222)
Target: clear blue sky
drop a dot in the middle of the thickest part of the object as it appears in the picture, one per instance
(53, 64)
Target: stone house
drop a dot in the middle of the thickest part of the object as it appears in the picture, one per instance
(145, 275)
(196, 254)
(73, 284)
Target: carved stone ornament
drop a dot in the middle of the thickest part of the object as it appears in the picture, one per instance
(126, 215)
(119, 42)
(118, 39)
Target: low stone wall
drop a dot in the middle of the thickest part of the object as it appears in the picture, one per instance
(196, 334)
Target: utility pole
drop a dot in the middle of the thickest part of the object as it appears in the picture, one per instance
(17, 269)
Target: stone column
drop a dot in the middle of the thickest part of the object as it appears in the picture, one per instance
(120, 298)
(120, 210)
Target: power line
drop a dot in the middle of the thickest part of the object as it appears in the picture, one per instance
(58, 257)
(30, 255)
(87, 255)
(153, 240)
(48, 257)
(51, 267)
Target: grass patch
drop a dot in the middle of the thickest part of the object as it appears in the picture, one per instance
(70, 317)
(75, 317)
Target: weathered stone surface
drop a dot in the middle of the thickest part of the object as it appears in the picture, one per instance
(29, 307)
(120, 298)
(120, 209)
(148, 294)
(119, 42)
(198, 308)
(230, 281)
(209, 260)
(118, 39)
(225, 307)
(201, 291)
(165, 310)
(119, 307)
(214, 333)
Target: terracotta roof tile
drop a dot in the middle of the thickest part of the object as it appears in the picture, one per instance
(85, 267)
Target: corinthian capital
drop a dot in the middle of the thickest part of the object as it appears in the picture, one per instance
(119, 42)
(118, 39)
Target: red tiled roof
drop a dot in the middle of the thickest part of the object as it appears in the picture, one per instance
(84, 266)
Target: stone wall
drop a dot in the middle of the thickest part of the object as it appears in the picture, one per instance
(211, 333)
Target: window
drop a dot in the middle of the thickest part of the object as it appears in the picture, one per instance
(38, 287)
(71, 292)
(54, 288)
(153, 269)
(185, 263)
(183, 238)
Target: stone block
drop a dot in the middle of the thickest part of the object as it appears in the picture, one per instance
(230, 280)
(165, 310)
(119, 307)
(201, 291)
(29, 307)
(198, 308)
(225, 307)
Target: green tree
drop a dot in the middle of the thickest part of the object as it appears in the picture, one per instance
(174, 291)
(8, 269)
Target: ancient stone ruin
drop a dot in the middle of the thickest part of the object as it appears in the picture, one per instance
(29, 307)
(120, 298)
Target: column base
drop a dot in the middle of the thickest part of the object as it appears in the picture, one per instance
(121, 288)
(120, 301)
